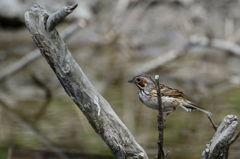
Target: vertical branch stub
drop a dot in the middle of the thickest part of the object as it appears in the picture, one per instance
(55, 18)
(160, 120)
(159, 97)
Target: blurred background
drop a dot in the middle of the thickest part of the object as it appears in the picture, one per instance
(194, 45)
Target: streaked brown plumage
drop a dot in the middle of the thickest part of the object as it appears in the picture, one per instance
(171, 98)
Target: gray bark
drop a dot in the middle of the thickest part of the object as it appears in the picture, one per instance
(96, 109)
(221, 141)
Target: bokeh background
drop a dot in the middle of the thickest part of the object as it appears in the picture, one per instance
(194, 45)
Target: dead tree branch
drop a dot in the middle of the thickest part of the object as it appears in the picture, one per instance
(216, 43)
(96, 109)
(33, 55)
(161, 154)
(48, 96)
(172, 55)
(235, 138)
(23, 122)
(212, 122)
(221, 141)
(54, 19)
(159, 61)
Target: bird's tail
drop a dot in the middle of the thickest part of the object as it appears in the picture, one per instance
(188, 106)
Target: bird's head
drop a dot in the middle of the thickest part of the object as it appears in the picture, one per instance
(143, 82)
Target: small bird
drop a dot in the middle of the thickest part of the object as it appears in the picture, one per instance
(171, 98)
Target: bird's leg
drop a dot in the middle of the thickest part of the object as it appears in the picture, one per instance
(166, 114)
(160, 124)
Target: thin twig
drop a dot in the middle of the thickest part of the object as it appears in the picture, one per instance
(216, 43)
(226, 151)
(10, 150)
(166, 155)
(160, 120)
(235, 138)
(33, 55)
(159, 61)
(162, 59)
(48, 96)
(218, 146)
(212, 122)
(22, 121)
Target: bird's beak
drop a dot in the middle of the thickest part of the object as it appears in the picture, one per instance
(131, 81)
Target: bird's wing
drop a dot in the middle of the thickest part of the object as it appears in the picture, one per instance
(171, 92)
(187, 105)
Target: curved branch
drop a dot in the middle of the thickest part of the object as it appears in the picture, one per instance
(96, 109)
(221, 141)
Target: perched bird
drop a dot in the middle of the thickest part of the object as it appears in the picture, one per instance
(171, 98)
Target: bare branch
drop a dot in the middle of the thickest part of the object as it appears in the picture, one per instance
(55, 18)
(226, 151)
(10, 152)
(19, 64)
(212, 122)
(96, 109)
(160, 61)
(48, 96)
(161, 154)
(216, 43)
(172, 55)
(32, 56)
(235, 138)
(219, 144)
(23, 122)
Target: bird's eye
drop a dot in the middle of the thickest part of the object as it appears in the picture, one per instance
(138, 79)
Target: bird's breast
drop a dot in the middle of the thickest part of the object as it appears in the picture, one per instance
(147, 99)
(168, 103)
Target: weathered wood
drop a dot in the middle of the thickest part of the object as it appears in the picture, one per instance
(161, 154)
(96, 109)
(221, 141)
(34, 55)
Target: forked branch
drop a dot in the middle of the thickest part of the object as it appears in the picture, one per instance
(55, 18)
(223, 138)
(96, 109)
